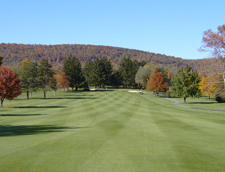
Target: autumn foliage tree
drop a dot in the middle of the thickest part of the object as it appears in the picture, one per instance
(214, 41)
(62, 81)
(207, 85)
(143, 74)
(25, 62)
(157, 82)
(9, 84)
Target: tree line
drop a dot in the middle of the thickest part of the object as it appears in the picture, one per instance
(33, 76)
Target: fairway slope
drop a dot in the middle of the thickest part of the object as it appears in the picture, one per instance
(111, 130)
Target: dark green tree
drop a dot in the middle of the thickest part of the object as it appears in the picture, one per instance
(116, 78)
(73, 71)
(28, 77)
(99, 72)
(186, 83)
(45, 76)
(89, 72)
(53, 85)
(128, 69)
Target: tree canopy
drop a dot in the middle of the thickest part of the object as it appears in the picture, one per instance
(157, 82)
(214, 41)
(73, 71)
(28, 76)
(186, 83)
(9, 84)
(99, 72)
(45, 76)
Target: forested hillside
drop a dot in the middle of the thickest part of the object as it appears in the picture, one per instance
(14, 54)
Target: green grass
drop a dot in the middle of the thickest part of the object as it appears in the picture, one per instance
(203, 102)
(110, 130)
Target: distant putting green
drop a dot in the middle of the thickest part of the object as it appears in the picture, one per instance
(109, 130)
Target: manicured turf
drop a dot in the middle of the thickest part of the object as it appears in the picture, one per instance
(203, 102)
(110, 130)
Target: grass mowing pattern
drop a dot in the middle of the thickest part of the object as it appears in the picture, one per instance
(110, 130)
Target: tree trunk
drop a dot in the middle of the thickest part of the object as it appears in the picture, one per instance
(76, 88)
(184, 99)
(44, 94)
(2, 100)
(27, 94)
(209, 96)
(55, 93)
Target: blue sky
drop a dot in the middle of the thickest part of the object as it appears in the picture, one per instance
(171, 27)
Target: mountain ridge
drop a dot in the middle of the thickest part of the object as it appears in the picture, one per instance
(14, 54)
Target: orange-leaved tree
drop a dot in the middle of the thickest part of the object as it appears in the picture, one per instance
(62, 80)
(214, 41)
(157, 82)
(9, 84)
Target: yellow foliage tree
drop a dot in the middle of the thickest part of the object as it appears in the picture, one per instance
(207, 85)
(25, 62)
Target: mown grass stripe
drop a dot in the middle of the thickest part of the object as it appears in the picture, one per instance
(108, 131)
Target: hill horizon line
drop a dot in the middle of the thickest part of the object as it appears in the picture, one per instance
(134, 49)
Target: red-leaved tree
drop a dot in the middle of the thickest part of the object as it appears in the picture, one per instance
(9, 84)
(157, 83)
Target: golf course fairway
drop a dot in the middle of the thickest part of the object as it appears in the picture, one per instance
(109, 131)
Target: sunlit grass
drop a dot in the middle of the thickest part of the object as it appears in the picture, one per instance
(109, 130)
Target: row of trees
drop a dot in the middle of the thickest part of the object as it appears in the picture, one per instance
(185, 83)
(33, 76)
(99, 73)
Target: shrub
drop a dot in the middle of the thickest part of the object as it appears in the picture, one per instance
(219, 99)
(167, 93)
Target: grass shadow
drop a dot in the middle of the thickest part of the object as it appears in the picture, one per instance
(8, 130)
(39, 107)
(204, 103)
(21, 114)
(63, 98)
(102, 90)
(80, 95)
